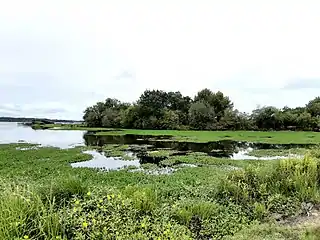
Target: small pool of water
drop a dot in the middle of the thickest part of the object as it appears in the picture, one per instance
(244, 155)
(99, 160)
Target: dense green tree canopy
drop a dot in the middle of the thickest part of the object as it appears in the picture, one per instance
(313, 107)
(157, 109)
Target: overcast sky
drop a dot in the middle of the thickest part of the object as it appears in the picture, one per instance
(57, 57)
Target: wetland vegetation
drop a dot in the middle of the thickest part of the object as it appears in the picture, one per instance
(179, 190)
(43, 197)
(169, 178)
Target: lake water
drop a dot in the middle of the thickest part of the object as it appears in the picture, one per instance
(14, 133)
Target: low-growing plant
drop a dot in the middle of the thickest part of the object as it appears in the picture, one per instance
(280, 204)
(210, 219)
(113, 216)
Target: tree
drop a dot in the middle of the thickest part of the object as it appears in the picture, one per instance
(112, 103)
(202, 116)
(266, 117)
(218, 101)
(130, 117)
(305, 121)
(289, 119)
(153, 102)
(221, 104)
(111, 118)
(205, 95)
(229, 120)
(93, 115)
(180, 105)
(313, 107)
(170, 120)
(157, 109)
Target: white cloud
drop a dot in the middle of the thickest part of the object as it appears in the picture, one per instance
(74, 53)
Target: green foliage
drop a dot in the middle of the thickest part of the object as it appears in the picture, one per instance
(170, 120)
(143, 199)
(207, 219)
(216, 200)
(268, 232)
(111, 215)
(278, 152)
(313, 107)
(65, 189)
(299, 177)
(281, 204)
(157, 109)
(24, 215)
(201, 116)
(280, 189)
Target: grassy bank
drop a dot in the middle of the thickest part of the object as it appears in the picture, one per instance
(42, 197)
(280, 137)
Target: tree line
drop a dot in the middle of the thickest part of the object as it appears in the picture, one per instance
(157, 109)
(31, 120)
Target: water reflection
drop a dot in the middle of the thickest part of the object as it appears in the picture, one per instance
(221, 149)
(99, 160)
(14, 133)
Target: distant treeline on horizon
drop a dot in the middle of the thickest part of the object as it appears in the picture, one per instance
(157, 109)
(25, 119)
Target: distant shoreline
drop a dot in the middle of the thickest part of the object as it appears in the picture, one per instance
(26, 119)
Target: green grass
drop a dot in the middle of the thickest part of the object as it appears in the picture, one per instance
(280, 137)
(43, 197)
(116, 150)
(278, 152)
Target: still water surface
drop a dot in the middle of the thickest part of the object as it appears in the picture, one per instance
(14, 133)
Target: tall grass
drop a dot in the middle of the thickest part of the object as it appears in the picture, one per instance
(23, 214)
(278, 188)
(299, 177)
